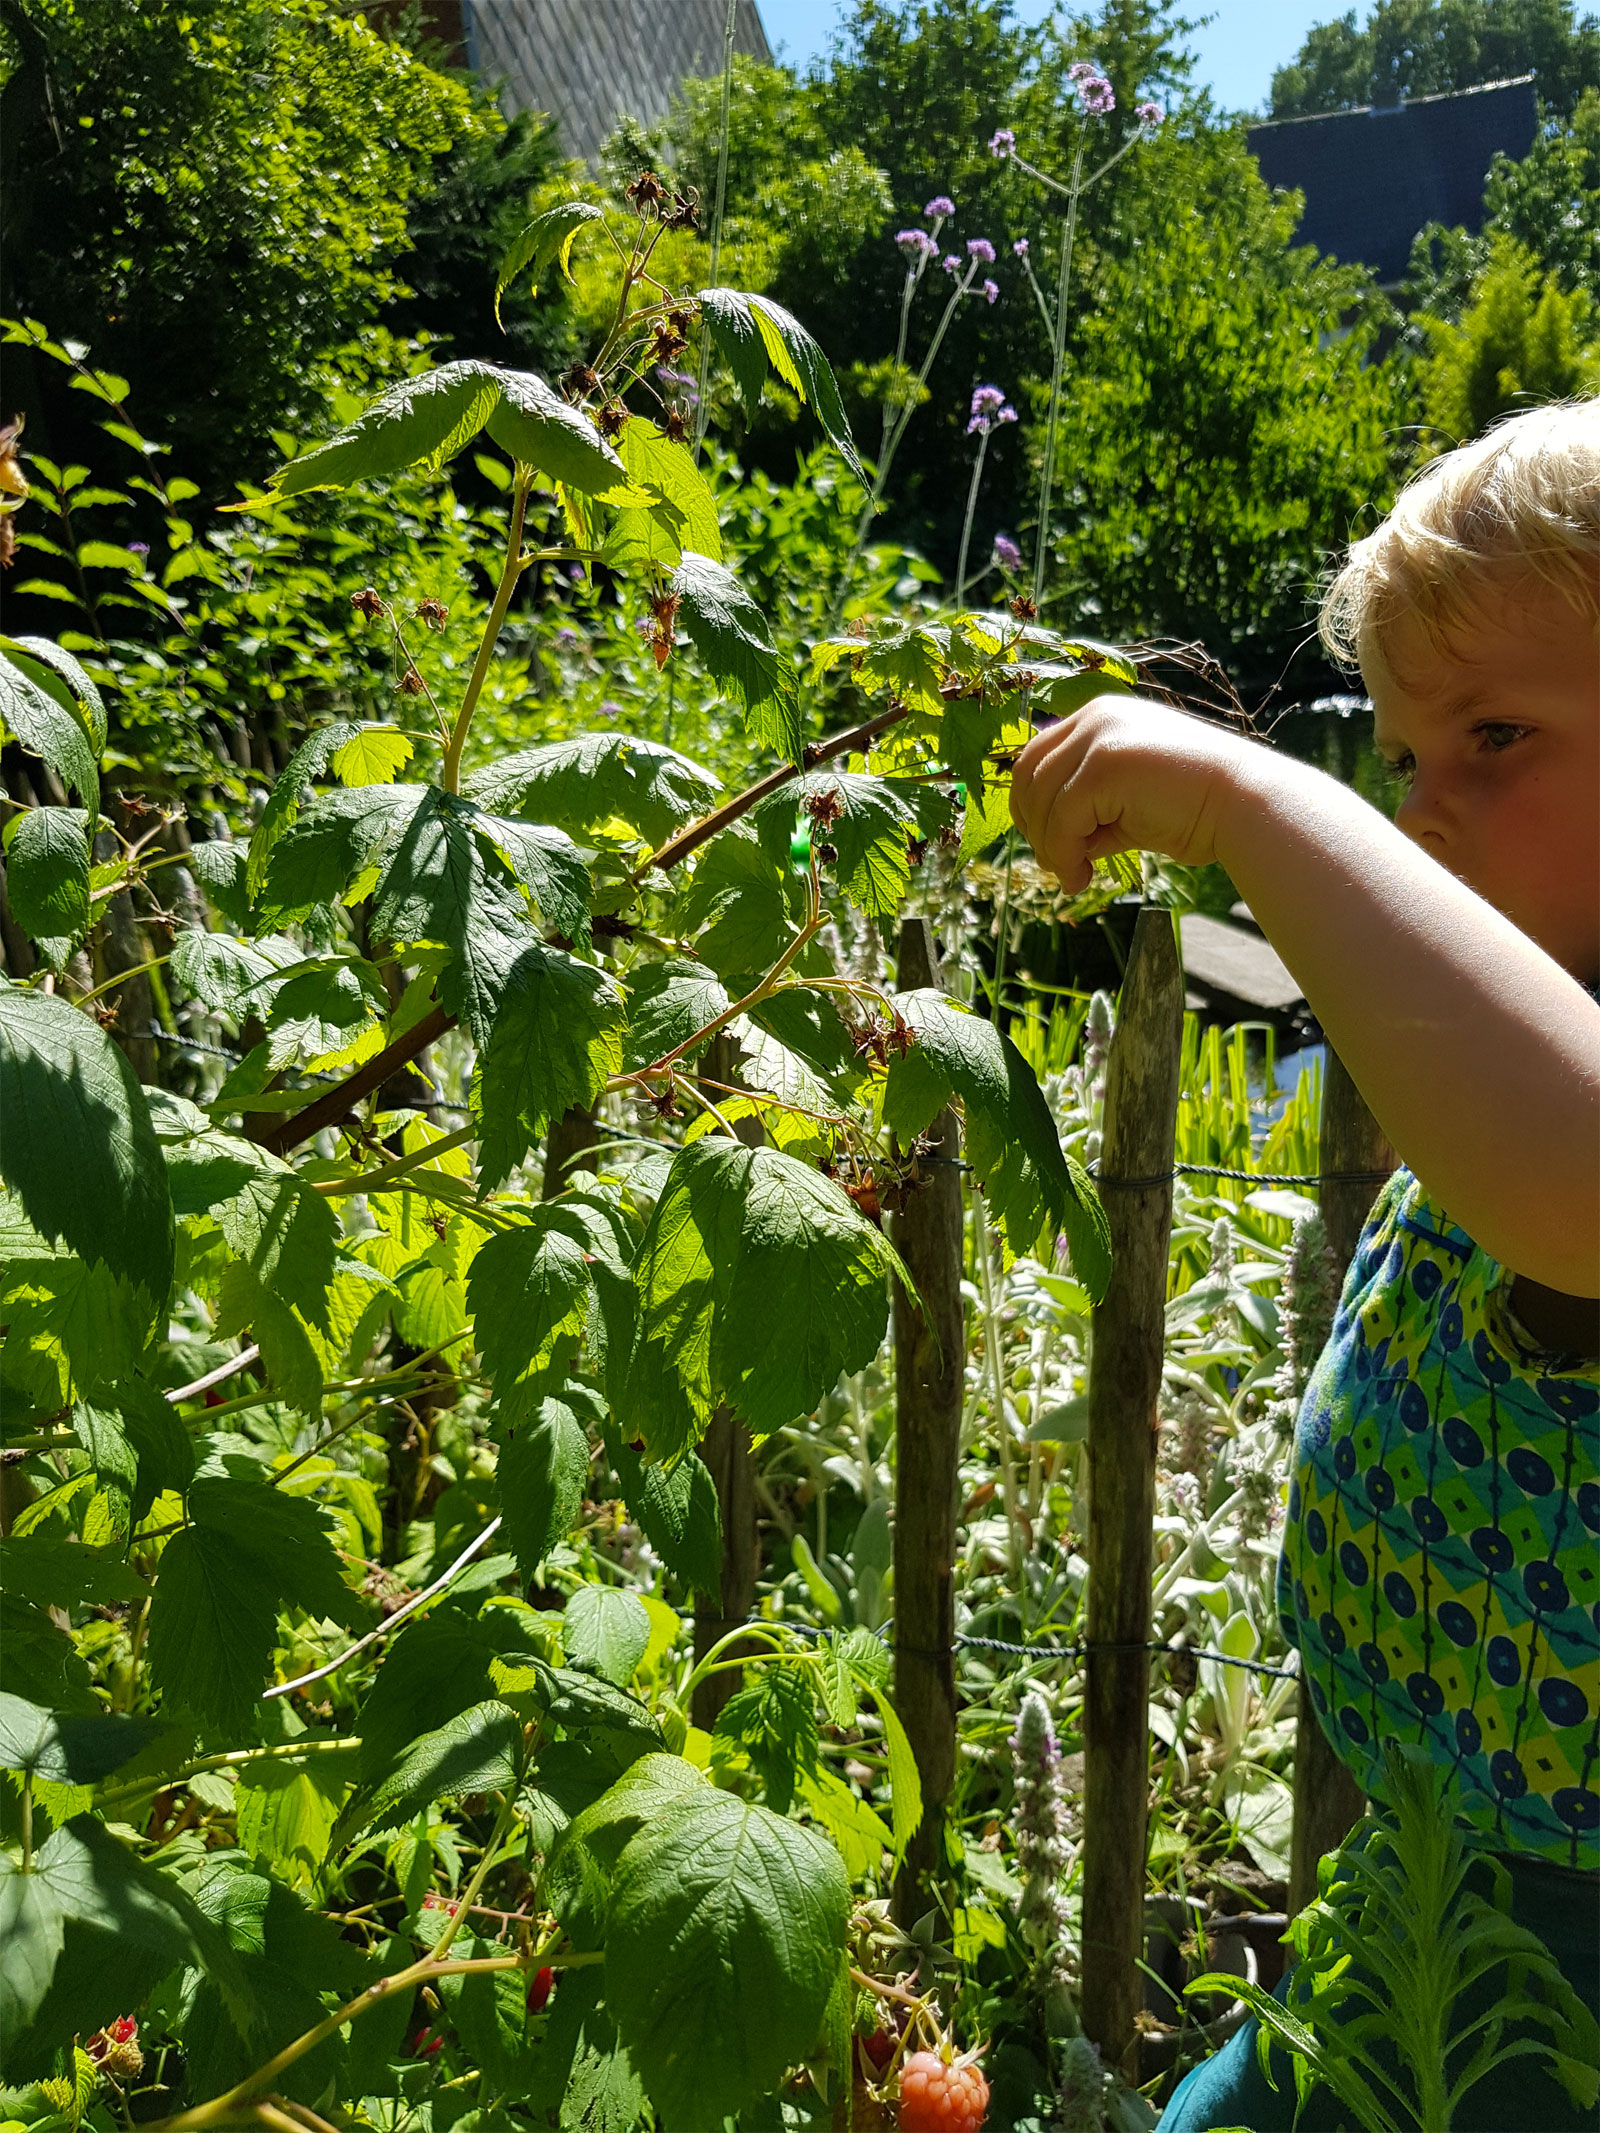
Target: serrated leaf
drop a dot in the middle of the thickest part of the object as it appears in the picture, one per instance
(752, 332)
(540, 429)
(529, 1289)
(443, 884)
(211, 1630)
(734, 640)
(331, 1011)
(667, 1003)
(479, 1750)
(419, 421)
(65, 1573)
(79, 1149)
(286, 1234)
(772, 1720)
(583, 783)
(723, 1936)
(1034, 1187)
(47, 877)
(285, 1813)
(686, 516)
(47, 723)
(870, 830)
(68, 675)
(340, 837)
(676, 1509)
(229, 975)
(606, 1628)
(541, 1475)
(547, 238)
(373, 755)
(547, 864)
(90, 1922)
(556, 1040)
(734, 1228)
(737, 906)
(289, 1537)
(61, 1748)
(287, 1352)
(289, 788)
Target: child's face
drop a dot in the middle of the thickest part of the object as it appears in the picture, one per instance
(1499, 740)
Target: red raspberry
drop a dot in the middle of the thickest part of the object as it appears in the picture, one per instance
(539, 1991)
(879, 2047)
(935, 2098)
(425, 2045)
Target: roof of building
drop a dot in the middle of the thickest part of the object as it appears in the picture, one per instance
(1229, 959)
(1373, 178)
(590, 62)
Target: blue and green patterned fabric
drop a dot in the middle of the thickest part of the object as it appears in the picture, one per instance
(1440, 1572)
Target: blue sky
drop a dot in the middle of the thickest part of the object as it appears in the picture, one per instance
(1237, 50)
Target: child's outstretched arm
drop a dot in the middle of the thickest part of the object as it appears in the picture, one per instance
(1478, 1054)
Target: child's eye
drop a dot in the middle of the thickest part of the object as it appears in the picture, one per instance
(1499, 733)
(1401, 768)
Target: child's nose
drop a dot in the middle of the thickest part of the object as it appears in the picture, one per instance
(1424, 815)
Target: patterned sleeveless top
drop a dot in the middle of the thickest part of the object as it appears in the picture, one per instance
(1440, 1571)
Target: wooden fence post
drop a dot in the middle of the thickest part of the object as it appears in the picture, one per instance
(725, 1449)
(1327, 1799)
(1141, 1113)
(929, 1351)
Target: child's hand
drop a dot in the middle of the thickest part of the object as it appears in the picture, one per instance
(1124, 775)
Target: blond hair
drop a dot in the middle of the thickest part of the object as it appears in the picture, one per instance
(1521, 502)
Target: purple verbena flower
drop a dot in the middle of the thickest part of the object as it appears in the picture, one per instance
(952, 264)
(980, 248)
(1006, 552)
(1021, 248)
(610, 710)
(1007, 414)
(1003, 142)
(138, 548)
(991, 292)
(916, 244)
(1148, 114)
(1095, 93)
(941, 205)
(986, 399)
(564, 635)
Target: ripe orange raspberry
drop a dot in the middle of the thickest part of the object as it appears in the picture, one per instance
(935, 2098)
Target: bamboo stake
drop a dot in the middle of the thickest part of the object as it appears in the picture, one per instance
(1327, 1799)
(1141, 1114)
(929, 1348)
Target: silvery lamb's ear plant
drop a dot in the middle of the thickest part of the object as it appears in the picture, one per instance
(460, 1794)
(1413, 1980)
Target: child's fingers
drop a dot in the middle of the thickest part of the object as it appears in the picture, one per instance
(1039, 770)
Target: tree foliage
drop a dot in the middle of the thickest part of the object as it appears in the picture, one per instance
(1411, 48)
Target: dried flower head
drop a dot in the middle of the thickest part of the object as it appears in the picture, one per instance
(675, 425)
(646, 190)
(433, 612)
(612, 420)
(684, 214)
(411, 683)
(663, 615)
(577, 381)
(368, 602)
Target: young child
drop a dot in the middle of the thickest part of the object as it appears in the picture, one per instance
(1441, 1567)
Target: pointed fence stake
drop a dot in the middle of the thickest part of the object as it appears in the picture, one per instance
(1327, 1799)
(929, 1350)
(1141, 1113)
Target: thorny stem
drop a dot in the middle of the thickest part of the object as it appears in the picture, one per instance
(384, 1629)
(966, 526)
(469, 1896)
(450, 776)
(855, 740)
